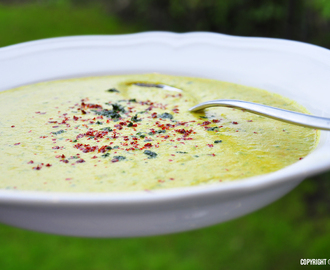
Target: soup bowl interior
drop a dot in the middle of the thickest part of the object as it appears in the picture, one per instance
(296, 70)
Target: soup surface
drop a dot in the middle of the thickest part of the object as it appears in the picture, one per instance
(104, 134)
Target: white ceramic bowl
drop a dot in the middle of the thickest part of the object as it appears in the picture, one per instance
(293, 69)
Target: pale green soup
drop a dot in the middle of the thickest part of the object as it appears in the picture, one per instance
(103, 134)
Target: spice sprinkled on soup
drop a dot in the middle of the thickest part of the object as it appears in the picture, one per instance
(106, 134)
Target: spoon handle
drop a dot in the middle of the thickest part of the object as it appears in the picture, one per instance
(301, 119)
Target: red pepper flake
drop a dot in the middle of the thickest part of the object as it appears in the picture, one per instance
(12, 126)
(30, 162)
(119, 127)
(17, 143)
(170, 160)
(37, 168)
(235, 123)
(94, 157)
(206, 123)
(185, 132)
(80, 161)
(249, 120)
(67, 179)
(210, 145)
(83, 112)
(161, 181)
(148, 145)
(215, 121)
(171, 179)
(301, 158)
(48, 165)
(154, 115)
(255, 132)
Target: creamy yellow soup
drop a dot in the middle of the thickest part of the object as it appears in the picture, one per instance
(106, 134)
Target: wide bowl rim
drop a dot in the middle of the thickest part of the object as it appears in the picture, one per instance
(246, 185)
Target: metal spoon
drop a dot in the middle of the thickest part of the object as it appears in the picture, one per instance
(301, 119)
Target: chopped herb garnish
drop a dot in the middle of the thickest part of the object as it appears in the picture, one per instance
(74, 141)
(132, 100)
(135, 119)
(212, 128)
(166, 116)
(118, 108)
(203, 117)
(182, 152)
(108, 113)
(99, 123)
(140, 135)
(107, 129)
(218, 141)
(150, 154)
(105, 155)
(119, 158)
(108, 148)
(58, 132)
(130, 124)
(112, 90)
(115, 147)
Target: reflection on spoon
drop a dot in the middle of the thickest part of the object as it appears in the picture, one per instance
(163, 86)
(296, 118)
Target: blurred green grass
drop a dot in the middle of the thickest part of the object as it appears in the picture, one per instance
(276, 237)
(26, 22)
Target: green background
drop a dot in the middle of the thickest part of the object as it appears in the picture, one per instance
(275, 237)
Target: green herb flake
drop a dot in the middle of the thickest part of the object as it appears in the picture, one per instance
(58, 132)
(119, 158)
(112, 90)
(218, 141)
(107, 129)
(166, 116)
(212, 128)
(150, 154)
(135, 119)
(141, 135)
